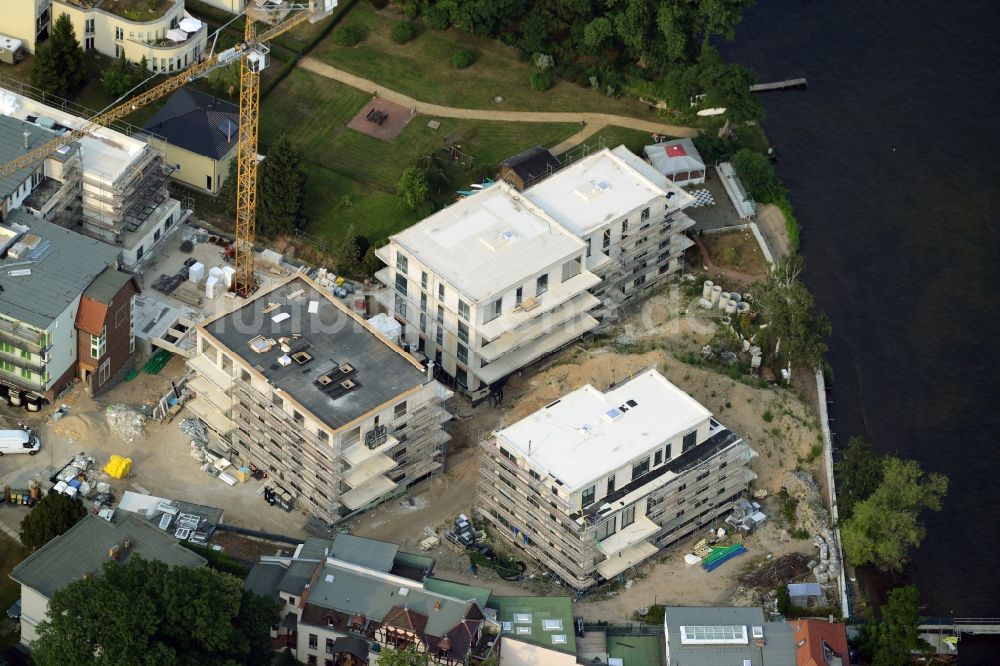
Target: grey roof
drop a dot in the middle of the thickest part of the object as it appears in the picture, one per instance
(203, 124)
(106, 285)
(12, 147)
(264, 578)
(313, 553)
(332, 336)
(779, 640)
(377, 555)
(350, 591)
(83, 550)
(805, 590)
(538, 610)
(532, 164)
(65, 264)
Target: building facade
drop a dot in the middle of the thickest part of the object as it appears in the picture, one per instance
(28, 21)
(630, 217)
(169, 40)
(487, 286)
(298, 385)
(597, 482)
(105, 326)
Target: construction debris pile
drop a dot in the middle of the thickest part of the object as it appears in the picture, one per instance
(772, 573)
(195, 429)
(73, 478)
(127, 421)
(810, 514)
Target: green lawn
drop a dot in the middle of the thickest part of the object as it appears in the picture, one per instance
(634, 140)
(313, 112)
(635, 650)
(422, 69)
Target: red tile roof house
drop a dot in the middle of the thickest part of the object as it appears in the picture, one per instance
(820, 643)
(106, 331)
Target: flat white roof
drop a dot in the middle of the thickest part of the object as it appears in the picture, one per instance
(584, 435)
(105, 152)
(681, 198)
(489, 241)
(593, 191)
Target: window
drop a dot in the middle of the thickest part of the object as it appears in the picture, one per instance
(423, 301)
(399, 410)
(628, 516)
(542, 284)
(400, 305)
(329, 646)
(423, 322)
(658, 458)
(463, 309)
(607, 528)
(689, 441)
(588, 496)
(440, 314)
(645, 215)
(441, 291)
(99, 344)
(138, 253)
(463, 332)
(640, 467)
(494, 310)
(402, 263)
(518, 296)
(313, 641)
(88, 26)
(462, 354)
(624, 228)
(571, 268)
(666, 455)
(606, 243)
(462, 377)
(104, 372)
(119, 33)
(588, 247)
(439, 336)
(611, 484)
(156, 235)
(401, 283)
(639, 281)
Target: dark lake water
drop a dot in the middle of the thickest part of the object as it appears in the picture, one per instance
(891, 157)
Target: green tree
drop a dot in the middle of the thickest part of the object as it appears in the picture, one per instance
(225, 81)
(347, 254)
(46, 75)
(891, 640)
(886, 525)
(281, 189)
(859, 473)
(144, 612)
(405, 657)
(414, 190)
(370, 264)
(67, 51)
(598, 34)
(52, 516)
(757, 174)
(795, 330)
(117, 79)
(719, 17)
(227, 192)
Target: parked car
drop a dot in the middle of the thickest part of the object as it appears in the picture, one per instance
(18, 441)
(14, 612)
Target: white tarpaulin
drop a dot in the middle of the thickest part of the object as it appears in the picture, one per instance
(177, 35)
(190, 25)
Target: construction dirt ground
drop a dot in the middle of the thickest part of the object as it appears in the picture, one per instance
(667, 332)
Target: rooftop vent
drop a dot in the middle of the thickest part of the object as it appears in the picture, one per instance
(260, 344)
(324, 380)
(758, 632)
(507, 235)
(613, 414)
(302, 357)
(347, 384)
(403, 591)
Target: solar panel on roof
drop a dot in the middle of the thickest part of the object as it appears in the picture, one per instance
(227, 127)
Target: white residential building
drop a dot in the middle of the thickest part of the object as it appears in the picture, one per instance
(596, 482)
(499, 279)
(629, 216)
(487, 286)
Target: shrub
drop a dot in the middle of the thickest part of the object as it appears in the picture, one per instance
(349, 35)
(436, 18)
(768, 415)
(463, 59)
(403, 32)
(540, 81)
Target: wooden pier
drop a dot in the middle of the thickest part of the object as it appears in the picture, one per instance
(787, 84)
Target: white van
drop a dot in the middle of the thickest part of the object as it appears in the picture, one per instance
(18, 441)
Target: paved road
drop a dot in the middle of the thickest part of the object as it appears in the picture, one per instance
(593, 122)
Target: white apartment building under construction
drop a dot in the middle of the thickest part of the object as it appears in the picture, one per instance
(301, 387)
(501, 278)
(598, 481)
(487, 286)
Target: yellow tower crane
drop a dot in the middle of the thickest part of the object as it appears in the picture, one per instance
(253, 56)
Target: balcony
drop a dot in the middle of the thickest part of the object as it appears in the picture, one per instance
(359, 452)
(17, 380)
(627, 537)
(26, 363)
(626, 559)
(215, 420)
(550, 300)
(22, 336)
(538, 327)
(526, 354)
(373, 466)
(205, 389)
(368, 493)
(205, 367)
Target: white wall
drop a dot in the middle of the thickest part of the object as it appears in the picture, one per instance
(34, 607)
(62, 341)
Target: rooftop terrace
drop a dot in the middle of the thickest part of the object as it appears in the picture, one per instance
(132, 10)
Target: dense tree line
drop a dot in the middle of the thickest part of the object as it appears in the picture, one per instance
(654, 47)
